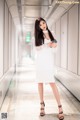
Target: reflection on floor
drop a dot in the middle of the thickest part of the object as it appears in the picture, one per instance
(22, 100)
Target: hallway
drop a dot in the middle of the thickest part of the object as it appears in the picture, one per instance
(20, 30)
(22, 100)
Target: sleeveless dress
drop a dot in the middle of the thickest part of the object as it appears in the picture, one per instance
(44, 62)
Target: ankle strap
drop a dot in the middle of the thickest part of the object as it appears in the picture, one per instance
(59, 106)
(42, 103)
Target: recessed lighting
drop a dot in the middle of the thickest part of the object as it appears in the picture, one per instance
(24, 17)
(50, 5)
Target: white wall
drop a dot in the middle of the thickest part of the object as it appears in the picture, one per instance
(58, 56)
(7, 49)
(1, 35)
(13, 42)
(69, 71)
(79, 44)
(73, 39)
(10, 37)
(64, 41)
(68, 56)
(6, 40)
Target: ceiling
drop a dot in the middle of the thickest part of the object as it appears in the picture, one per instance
(25, 12)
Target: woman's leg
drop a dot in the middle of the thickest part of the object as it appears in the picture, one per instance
(40, 89)
(56, 93)
(57, 96)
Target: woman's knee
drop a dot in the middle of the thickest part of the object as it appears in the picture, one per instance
(40, 84)
(52, 84)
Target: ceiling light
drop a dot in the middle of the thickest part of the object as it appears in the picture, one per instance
(24, 17)
(50, 6)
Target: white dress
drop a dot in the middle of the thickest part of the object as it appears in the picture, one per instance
(44, 63)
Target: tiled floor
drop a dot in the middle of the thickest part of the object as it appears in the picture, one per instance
(22, 100)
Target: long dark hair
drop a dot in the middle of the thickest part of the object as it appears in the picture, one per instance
(39, 38)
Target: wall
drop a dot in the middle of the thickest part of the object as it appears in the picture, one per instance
(67, 59)
(7, 49)
(1, 35)
(73, 39)
(79, 45)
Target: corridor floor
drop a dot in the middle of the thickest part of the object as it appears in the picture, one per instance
(22, 99)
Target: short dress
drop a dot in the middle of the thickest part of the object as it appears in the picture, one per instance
(44, 63)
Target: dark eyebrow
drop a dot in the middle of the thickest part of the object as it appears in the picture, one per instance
(42, 21)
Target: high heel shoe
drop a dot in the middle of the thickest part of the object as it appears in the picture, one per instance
(42, 113)
(61, 117)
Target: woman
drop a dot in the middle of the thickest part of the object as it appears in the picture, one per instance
(44, 41)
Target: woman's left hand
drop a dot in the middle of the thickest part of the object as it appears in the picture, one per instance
(54, 45)
(51, 44)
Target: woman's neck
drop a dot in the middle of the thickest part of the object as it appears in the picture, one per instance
(46, 34)
(45, 31)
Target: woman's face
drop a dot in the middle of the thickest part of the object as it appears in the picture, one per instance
(43, 25)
